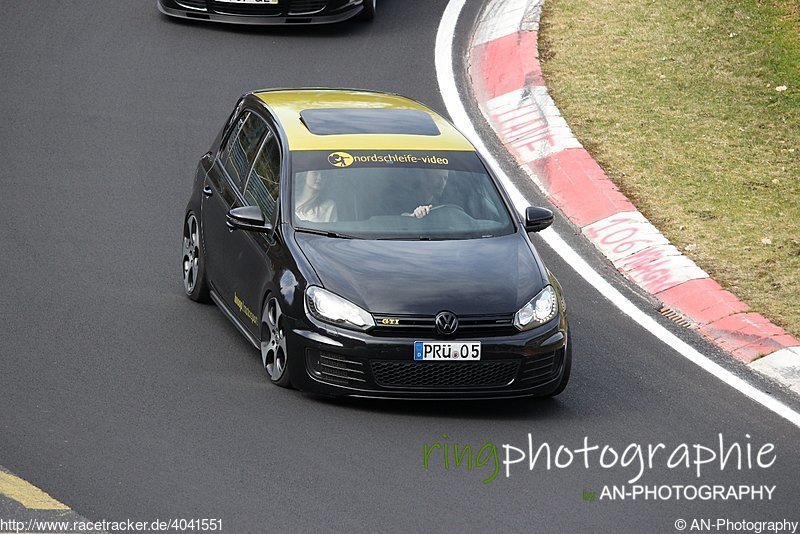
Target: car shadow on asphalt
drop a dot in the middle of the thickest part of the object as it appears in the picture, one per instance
(340, 29)
(519, 409)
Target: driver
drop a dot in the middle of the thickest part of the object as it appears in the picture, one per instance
(431, 192)
(314, 203)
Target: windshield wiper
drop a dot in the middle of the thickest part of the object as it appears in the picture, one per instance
(327, 233)
(407, 238)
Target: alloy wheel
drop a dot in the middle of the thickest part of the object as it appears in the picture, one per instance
(273, 341)
(191, 253)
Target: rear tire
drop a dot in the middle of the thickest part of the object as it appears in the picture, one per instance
(368, 13)
(194, 261)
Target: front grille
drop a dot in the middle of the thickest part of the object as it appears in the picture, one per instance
(424, 326)
(260, 10)
(193, 4)
(306, 7)
(335, 369)
(444, 374)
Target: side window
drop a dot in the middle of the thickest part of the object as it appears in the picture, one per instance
(263, 184)
(241, 147)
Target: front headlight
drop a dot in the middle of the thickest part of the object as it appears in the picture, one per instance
(333, 309)
(538, 310)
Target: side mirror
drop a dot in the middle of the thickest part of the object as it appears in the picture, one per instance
(537, 219)
(248, 218)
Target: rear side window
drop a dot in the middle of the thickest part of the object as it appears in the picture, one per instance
(241, 147)
(263, 184)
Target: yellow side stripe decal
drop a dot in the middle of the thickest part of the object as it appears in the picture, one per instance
(27, 494)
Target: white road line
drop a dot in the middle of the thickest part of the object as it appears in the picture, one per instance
(455, 107)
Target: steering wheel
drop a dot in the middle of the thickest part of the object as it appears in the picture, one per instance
(449, 206)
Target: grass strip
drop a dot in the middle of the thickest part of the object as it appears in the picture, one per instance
(693, 109)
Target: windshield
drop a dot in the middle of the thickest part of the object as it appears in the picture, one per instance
(386, 195)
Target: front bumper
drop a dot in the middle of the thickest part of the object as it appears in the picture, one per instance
(343, 363)
(214, 11)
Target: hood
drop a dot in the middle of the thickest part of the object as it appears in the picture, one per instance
(471, 276)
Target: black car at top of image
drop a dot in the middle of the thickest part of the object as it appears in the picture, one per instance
(270, 11)
(359, 241)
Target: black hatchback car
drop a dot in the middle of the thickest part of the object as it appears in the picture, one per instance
(269, 11)
(359, 241)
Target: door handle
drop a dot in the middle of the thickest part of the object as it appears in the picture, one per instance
(207, 191)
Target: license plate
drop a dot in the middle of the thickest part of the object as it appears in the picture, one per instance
(442, 351)
(256, 2)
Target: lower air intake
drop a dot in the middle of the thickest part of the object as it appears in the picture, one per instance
(444, 374)
(335, 369)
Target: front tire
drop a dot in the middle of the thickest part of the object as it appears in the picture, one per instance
(368, 13)
(194, 261)
(274, 355)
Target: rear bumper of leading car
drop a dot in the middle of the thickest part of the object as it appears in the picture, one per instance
(359, 365)
(215, 12)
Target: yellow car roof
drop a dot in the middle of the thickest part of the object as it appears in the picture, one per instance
(288, 105)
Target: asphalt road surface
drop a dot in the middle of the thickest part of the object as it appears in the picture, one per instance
(123, 399)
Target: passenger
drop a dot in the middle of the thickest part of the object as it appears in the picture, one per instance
(313, 203)
(431, 193)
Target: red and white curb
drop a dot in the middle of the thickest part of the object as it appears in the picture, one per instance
(507, 83)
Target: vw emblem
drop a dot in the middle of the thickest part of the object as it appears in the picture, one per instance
(446, 322)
